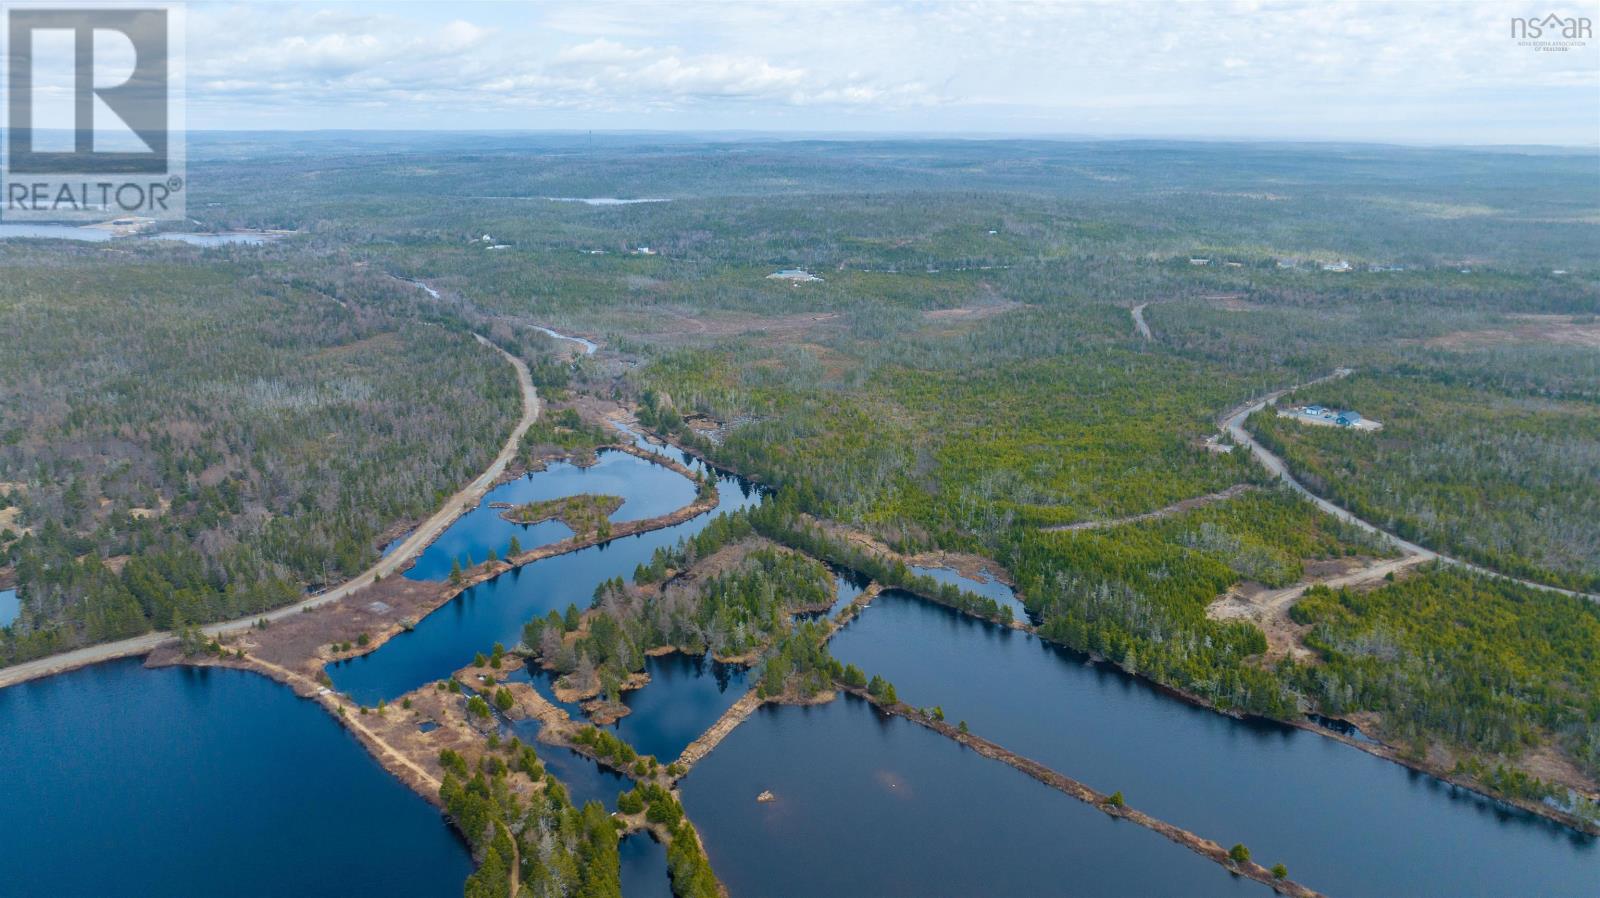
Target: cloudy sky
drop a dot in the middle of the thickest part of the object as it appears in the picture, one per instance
(1433, 73)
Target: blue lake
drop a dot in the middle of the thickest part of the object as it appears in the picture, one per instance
(873, 806)
(648, 491)
(235, 770)
(495, 610)
(849, 585)
(125, 781)
(644, 867)
(10, 607)
(988, 587)
(1344, 822)
(684, 697)
(585, 780)
(393, 544)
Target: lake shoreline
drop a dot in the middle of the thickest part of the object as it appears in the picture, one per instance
(1376, 747)
(1106, 804)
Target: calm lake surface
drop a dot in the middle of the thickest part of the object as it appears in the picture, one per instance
(684, 697)
(10, 607)
(870, 805)
(644, 867)
(988, 587)
(232, 768)
(125, 781)
(585, 780)
(495, 610)
(648, 490)
(849, 585)
(1345, 822)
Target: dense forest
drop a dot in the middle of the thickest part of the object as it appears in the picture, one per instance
(191, 433)
(189, 442)
(734, 614)
(517, 818)
(1511, 482)
(1138, 593)
(1483, 663)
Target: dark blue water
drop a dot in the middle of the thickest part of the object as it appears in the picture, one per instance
(495, 610)
(644, 867)
(585, 780)
(849, 585)
(684, 697)
(544, 681)
(10, 607)
(395, 544)
(124, 781)
(1344, 822)
(648, 491)
(988, 588)
(649, 444)
(874, 806)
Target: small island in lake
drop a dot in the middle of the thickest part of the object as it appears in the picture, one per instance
(584, 513)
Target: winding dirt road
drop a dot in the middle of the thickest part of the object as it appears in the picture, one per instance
(1139, 322)
(1237, 489)
(1233, 423)
(464, 500)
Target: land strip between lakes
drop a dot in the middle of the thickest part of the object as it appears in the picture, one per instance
(1111, 805)
(751, 701)
(308, 641)
(463, 501)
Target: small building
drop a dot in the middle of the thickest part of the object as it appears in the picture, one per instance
(1340, 265)
(1199, 261)
(794, 275)
(1324, 416)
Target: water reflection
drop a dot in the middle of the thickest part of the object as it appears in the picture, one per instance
(870, 805)
(495, 610)
(1344, 821)
(125, 781)
(648, 490)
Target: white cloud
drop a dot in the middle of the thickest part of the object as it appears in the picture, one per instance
(1293, 69)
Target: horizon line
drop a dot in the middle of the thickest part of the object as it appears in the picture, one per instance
(842, 135)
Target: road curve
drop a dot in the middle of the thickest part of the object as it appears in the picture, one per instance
(464, 500)
(1233, 423)
(1139, 322)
